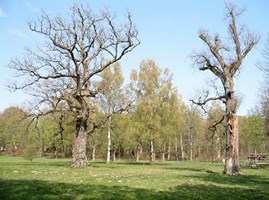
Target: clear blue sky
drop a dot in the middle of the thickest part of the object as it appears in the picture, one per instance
(167, 30)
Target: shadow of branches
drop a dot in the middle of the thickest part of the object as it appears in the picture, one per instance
(36, 189)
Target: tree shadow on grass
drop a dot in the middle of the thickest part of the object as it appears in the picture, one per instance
(40, 162)
(240, 180)
(36, 189)
(189, 169)
(217, 177)
(103, 164)
(51, 163)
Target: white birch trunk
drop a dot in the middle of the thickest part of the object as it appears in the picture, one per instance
(108, 141)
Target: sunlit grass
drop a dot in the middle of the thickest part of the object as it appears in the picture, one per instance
(54, 179)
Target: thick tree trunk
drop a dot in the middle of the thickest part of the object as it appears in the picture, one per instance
(232, 166)
(79, 151)
(108, 141)
(79, 147)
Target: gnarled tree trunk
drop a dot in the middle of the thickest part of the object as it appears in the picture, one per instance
(232, 149)
(79, 157)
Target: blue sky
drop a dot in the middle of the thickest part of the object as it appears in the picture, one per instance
(168, 31)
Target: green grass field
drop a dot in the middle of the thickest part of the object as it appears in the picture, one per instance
(54, 179)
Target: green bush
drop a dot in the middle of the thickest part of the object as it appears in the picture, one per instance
(30, 152)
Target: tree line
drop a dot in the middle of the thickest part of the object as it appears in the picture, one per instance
(145, 119)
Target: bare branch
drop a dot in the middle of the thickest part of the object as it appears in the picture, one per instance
(214, 48)
(206, 65)
(243, 44)
(214, 126)
(202, 102)
(75, 51)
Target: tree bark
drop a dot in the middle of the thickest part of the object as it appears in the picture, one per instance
(176, 149)
(163, 153)
(169, 149)
(79, 148)
(219, 152)
(114, 154)
(182, 148)
(139, 151)
(93, 152)
(108, 141)
(41, 147)
(151, 150)
(232, 166)
(79, 151)
(191, 144)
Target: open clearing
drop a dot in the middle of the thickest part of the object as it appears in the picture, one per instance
(54, 179)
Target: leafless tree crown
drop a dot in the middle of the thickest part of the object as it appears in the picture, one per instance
(221, 59)
(76, 49)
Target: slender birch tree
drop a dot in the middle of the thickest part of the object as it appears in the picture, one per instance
(112, 98)
(153, 87)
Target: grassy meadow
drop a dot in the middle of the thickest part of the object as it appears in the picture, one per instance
(54, 179)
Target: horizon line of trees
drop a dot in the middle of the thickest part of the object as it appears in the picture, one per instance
(144, 119)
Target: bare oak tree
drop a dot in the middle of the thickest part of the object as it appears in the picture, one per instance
(61, 72)
(224, 61)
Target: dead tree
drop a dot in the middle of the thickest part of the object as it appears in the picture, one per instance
(61, 72)
(224, 61)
